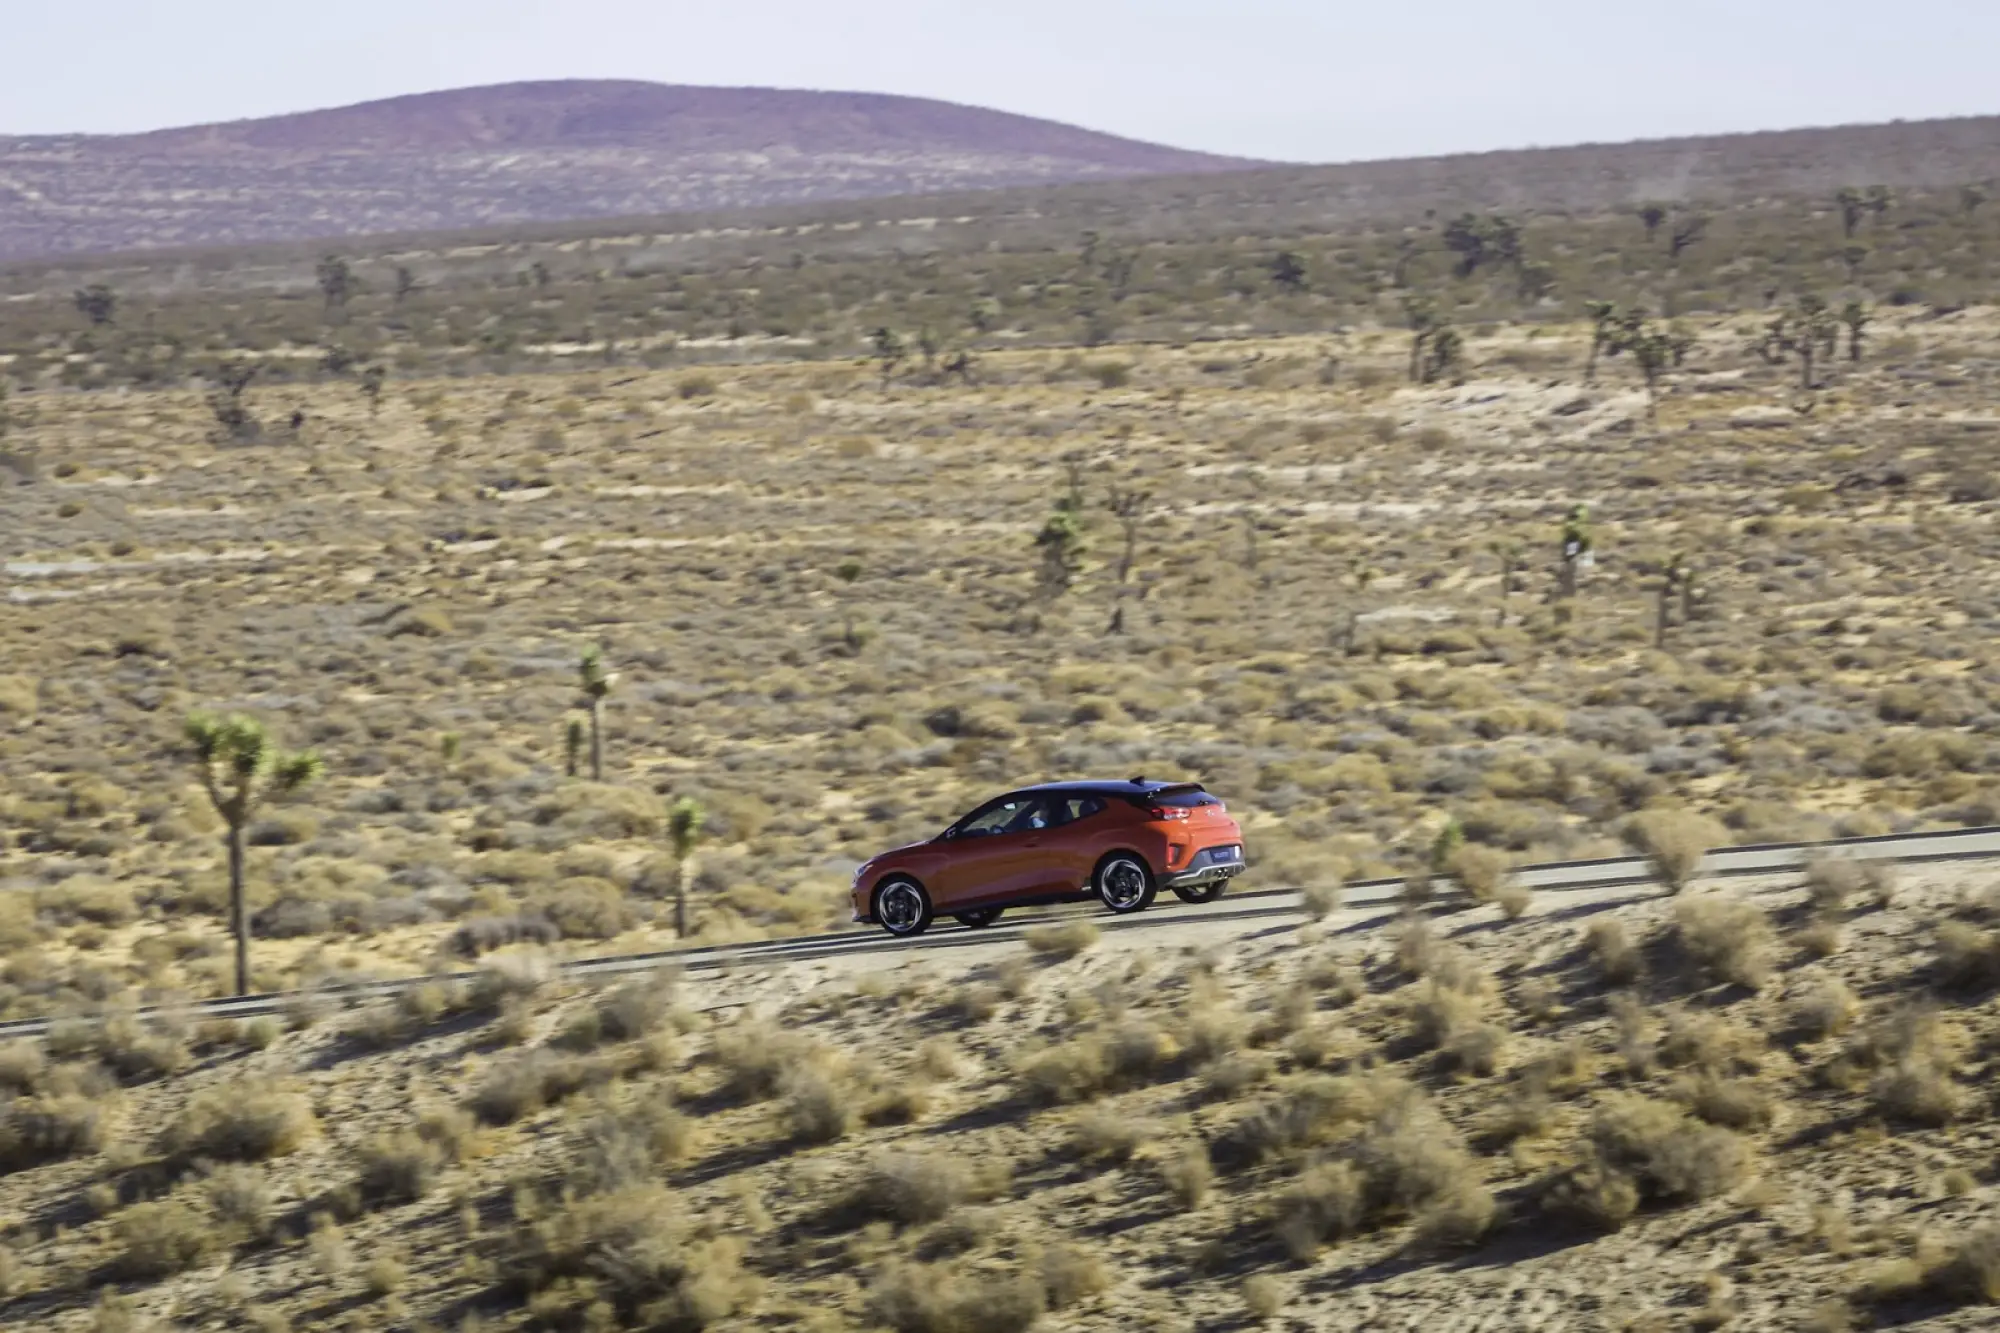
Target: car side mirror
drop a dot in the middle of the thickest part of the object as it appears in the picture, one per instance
(946, 836)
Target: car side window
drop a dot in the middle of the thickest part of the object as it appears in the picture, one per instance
(1073, 808)
(999, 817)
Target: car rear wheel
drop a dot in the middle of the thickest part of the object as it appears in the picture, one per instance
(1201, 893)
(902, 907)
(1124, 883)
(980, 917)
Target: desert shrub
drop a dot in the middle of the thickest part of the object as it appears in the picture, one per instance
(487, 933)
(1313, 1109)
(1406, 1163)
(975, 1002)
(1102, 1135)
(1187, 1174)
(157, 1240)
(1970, 1271)
(1733, 1103)
(1642, 1150)
(1831, 881)
(1707, 1041)
(1320, 900)
(1265, 1296)
(915, 1298)
(1071, 1274)
(1727, 939)
(239, 1195)
(1675, 840)
(1232, 1075)
(631, 1146)
(1480, 871)
(22, 1066)
(755, 1057)
(1060, 940)
(35, 1130)
(1822, 1010)
(398, 1167)
(1069, 1071)
(514, 977)
(630, 1254)
(523, 1084)
(241, 1123)
(911, 1189)
(1967, 957)
(817, 1109)
(585, 908)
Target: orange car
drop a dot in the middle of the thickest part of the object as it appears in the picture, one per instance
(1119, 842)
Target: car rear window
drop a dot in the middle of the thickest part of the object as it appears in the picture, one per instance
(1182, 796)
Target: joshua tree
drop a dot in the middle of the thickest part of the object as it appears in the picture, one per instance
(1688, 231)
(1129, 508)
(1970, 197)
(1856, 317)
(1359, 577)
(1447, 353)
(225, 401)
(1060, 541)
(1535, 281)
(572, 745)
(847, 571)
(97, 303)
(1422, 313)
(1604, 319)
(889, 350)
(596, 683)
(1880, 201)
(1854, 256)
(1652, 215)
(336, 282)
(1853, 206)
(1478, 242)
(1808, 331)
(984, 316)
(406, 283)
(1509, 554)
(1672, 578)
(1652, 351)
(240, 770)
(1576, 546)
(684, 820)
(372, 380)
(1288, 270)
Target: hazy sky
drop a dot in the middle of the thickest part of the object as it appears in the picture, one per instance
(1306, 80)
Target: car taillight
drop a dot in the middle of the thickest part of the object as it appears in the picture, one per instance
(1168, 812)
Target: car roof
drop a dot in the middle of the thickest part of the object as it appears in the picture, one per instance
(1139, 786)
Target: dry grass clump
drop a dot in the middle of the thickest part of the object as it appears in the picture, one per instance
(632, 1145)
(1406, 1163)
(523, 1084)
(1110, 1136)
(1320, 900)
(1071, 1274)
(1187, 1175)
(36, 1130)
(1480, 871)
(1675, 842)
(1733, 1103)
(1640, 1150)
(1611, 949)
(1727, 939)
(1709, 1042)
(756, 1057)
(630, 1256)
(1831, 881)
(628, 1012)
(817, 1106)
(239, 1195)
(398, 1167)
(1265, 1296)
(1822, 1010)
(1312, 1109)
(911, 1188)
(1967, 957)
(156, 1240)
(1060, 940)
(1070, 1071)
(942, 1298)
(1916, 1056)
(241, 1123)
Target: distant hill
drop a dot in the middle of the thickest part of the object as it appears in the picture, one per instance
(530, 152)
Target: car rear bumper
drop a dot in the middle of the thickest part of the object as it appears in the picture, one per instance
(1207, 866)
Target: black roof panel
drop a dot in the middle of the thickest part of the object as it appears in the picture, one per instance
(1121, 787)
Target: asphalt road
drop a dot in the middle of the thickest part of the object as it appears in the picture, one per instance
(1912, 848)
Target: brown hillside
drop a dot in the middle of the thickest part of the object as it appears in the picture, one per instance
(529, 152)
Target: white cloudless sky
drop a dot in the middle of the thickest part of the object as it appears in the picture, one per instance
(1297, 80)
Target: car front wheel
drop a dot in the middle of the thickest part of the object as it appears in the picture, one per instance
(903, 908)
(1124, 883)
(979, 917)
